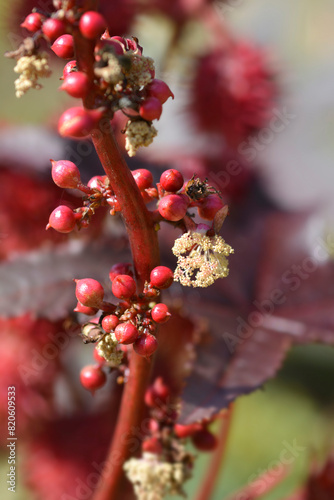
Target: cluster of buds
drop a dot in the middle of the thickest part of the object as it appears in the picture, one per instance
(165, 464)
(133, 321)
(97, 193)
(123, 78)
(202, 253)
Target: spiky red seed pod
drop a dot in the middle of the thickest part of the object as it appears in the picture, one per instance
(120, 268)
(150, 109)
(76, 84)
(126, 333)
(171, 180)
(160, 90)
(123, 286)
(92, 24)
(209, 206)
(78, 122)
(161, 277)
(143, 178)
(145, 345)
(33, 22)
(89, 311)
(160, 313)
(53, 28)
(92, 377)
(69, 68)
(204, 440)
(109, 323)
(65, 174)
(173, 207)
(89, 292)
(62, 219)
(184, 431)
(64, 47)
(152, 445)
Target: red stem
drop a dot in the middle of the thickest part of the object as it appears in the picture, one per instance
(145, 252)
(209, 482)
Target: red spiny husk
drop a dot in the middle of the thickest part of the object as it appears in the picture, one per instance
(233, 92)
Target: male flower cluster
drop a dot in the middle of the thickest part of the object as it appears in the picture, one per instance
(201, 260)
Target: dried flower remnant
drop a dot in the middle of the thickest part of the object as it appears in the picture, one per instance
(141, 70)
(154, 478)
(31, 67)
(112, 71)
(108, 348)
(206, 260)
(138, 133)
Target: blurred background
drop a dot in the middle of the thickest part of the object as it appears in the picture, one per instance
(294, 168)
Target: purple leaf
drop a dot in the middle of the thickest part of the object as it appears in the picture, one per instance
(41, 282)
(289, 270)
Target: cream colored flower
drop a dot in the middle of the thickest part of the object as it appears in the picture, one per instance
(140, 71)
(31, 68)
(108, 348)
(153, 478)
(138, 133)
(201, 259)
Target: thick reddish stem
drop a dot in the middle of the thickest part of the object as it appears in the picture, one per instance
(145, 252)
(215, 465)
(140, 227)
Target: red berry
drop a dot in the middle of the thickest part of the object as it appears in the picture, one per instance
(78, 122)
(119, 39)
(152, 445)
(160, 313)
(76, 84)
(171, 180)
(204, 440)
(150, 109)
(33, 22)
(126, 333)
(173, 207)
(53, 28)
(123, 286)
(69, 68)
(143, 178)
(160, 90)
(112, 43)
(145, 345)
(184, 431)
(92, 24)
(100, 359)
(109, 323)
(120, 268)
(92, 377)
(89, 292)
(161, 277)
(62, 219)
(89, 311)
(64, 47)
(209, 206)
(161, 390)
(97, 182)
(65, 174)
